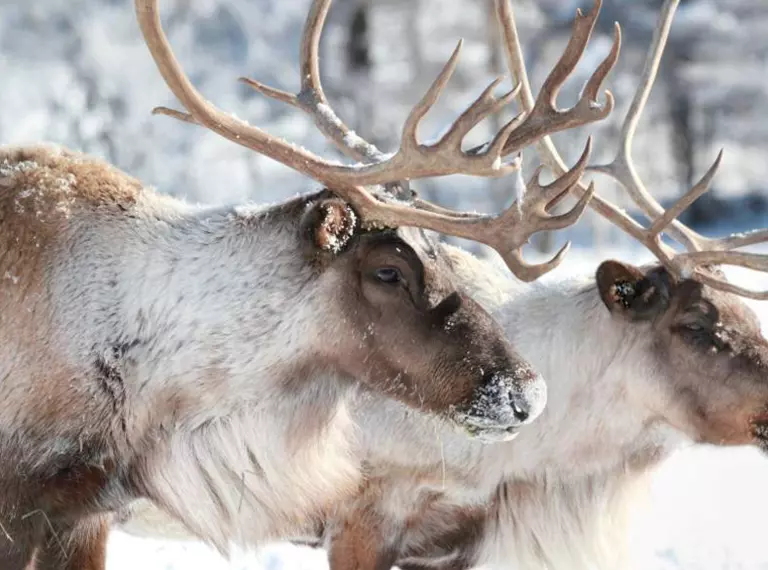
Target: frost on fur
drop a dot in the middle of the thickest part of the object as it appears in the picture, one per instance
(336, 227)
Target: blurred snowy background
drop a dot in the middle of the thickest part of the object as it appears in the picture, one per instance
(76, 72)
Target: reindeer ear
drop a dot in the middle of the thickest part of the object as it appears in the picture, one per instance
(329, 224)
(630, 293)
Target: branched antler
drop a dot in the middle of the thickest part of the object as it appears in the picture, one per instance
(701, 251)
(506, 232)
(412, 160)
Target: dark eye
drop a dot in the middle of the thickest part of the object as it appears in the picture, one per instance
(388, 275)
(696, 327)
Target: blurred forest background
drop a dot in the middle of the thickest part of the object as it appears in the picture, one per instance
(76, 72)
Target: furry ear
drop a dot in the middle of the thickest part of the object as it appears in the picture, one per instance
(628, 292)
(329, 224)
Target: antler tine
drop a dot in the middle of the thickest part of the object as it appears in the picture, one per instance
(622, 167)
(507, 232)
(682, 264)
(698, 190)
(688, 263)
(738, 240)
(311, 98)
(535, 217)
(409, 136)
(206, 114)
(545, 148)
(722, 285)
(412, 160)
(486, 104)
(543, 115)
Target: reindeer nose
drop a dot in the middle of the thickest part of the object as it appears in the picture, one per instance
(526, 402)
(528, 396)
(507, 402)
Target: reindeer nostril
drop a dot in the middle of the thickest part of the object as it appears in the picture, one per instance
(521, 411)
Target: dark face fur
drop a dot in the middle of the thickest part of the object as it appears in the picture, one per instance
(708, 344)
(411, 335)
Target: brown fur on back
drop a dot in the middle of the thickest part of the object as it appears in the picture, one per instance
(43, 189)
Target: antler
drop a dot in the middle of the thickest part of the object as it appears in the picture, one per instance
(543, 116)
(311, 97)
(506, 232)
(412, 160)
(701, 251)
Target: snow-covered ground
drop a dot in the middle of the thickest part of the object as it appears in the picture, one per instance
(707, 513)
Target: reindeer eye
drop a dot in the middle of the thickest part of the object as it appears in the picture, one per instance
(389, 275)
(694, 327)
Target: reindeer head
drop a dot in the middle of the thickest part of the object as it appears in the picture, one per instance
(405, 330)
(683, 289)
(707, 347)
(410, 332)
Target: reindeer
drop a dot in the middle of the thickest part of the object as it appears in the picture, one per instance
(640, 362)
(202, 358)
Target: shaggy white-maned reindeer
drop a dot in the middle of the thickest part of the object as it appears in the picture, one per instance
(543, 118)
(640, 362)
(201, 357)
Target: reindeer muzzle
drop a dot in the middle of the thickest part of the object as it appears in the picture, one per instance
(503, 404)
